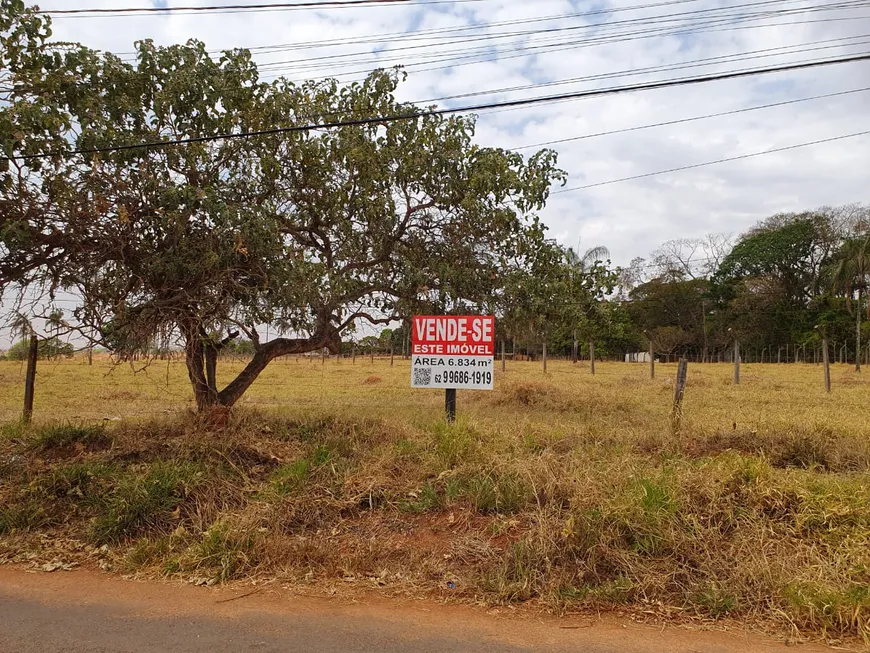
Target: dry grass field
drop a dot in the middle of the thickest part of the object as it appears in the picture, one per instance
(561, 489)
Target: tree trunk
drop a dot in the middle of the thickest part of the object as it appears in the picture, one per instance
(211, 354)
(592, 357)
(194, 356)
(201, 356)
(271, 350)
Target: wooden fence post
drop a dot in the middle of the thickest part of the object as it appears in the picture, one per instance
(30, 378)
(652, 355)
(353, 354)
(679, 392)
(736, 362)
(391, 354)
(825, 360)
(502, 355)
(827, 363)
(592, 357)
(544, 356)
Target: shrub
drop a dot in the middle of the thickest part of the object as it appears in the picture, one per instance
(66, 436)
(146, 500)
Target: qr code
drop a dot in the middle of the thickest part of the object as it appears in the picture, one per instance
(422, 376)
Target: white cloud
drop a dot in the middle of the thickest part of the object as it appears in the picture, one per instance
(631, 218)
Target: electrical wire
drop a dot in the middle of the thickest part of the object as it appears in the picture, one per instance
(710, 163)
(691, 119)
(445, 111)
(696, 63)
(116, 12)
(718, 17)
(542, 49)
(392, 37)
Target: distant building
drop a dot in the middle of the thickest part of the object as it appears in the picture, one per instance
(639, 357)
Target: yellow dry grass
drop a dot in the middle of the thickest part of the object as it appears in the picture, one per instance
(562, 487)
(620, 400)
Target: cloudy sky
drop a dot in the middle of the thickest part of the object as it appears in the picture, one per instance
(470, 52)
(483, 47)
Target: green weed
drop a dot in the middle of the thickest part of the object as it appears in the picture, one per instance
(144, 500)
(493, 492)
(24, 515)
(715, 602)
(67, 436)
(455, 443)
(224, 552)
(426, 499)
(291, 478)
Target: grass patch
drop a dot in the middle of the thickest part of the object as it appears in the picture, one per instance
(22, 516)
(289, 479)
(715, 602)
(833, 609)
(224, 552)
(426, 499)
(455, 443)
(495, 492)
(821, 449)
(80, 481)
(67, 438)
(145, 500)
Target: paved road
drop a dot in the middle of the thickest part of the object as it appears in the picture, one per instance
(84, 612)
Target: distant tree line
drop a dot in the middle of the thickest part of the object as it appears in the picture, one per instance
(770, 288)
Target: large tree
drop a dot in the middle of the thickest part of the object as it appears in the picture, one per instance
(771, 277)
(672, 311)
(305, 229)
(848, 274)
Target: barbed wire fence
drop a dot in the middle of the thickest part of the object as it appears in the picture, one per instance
(94, 386)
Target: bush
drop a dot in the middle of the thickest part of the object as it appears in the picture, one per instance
(53, 347)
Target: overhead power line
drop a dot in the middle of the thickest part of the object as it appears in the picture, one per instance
(429, 34)
(685, 81)
(649, 24)
(710, 163)
(276, 6)
(738, 57)
(691, 119)
(513, 51)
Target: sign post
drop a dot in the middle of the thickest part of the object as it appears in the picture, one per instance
(450, 404)
(452, 352)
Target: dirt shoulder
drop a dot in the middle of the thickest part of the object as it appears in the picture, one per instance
(89, 611)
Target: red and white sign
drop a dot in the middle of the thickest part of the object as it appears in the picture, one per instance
(453, 351)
